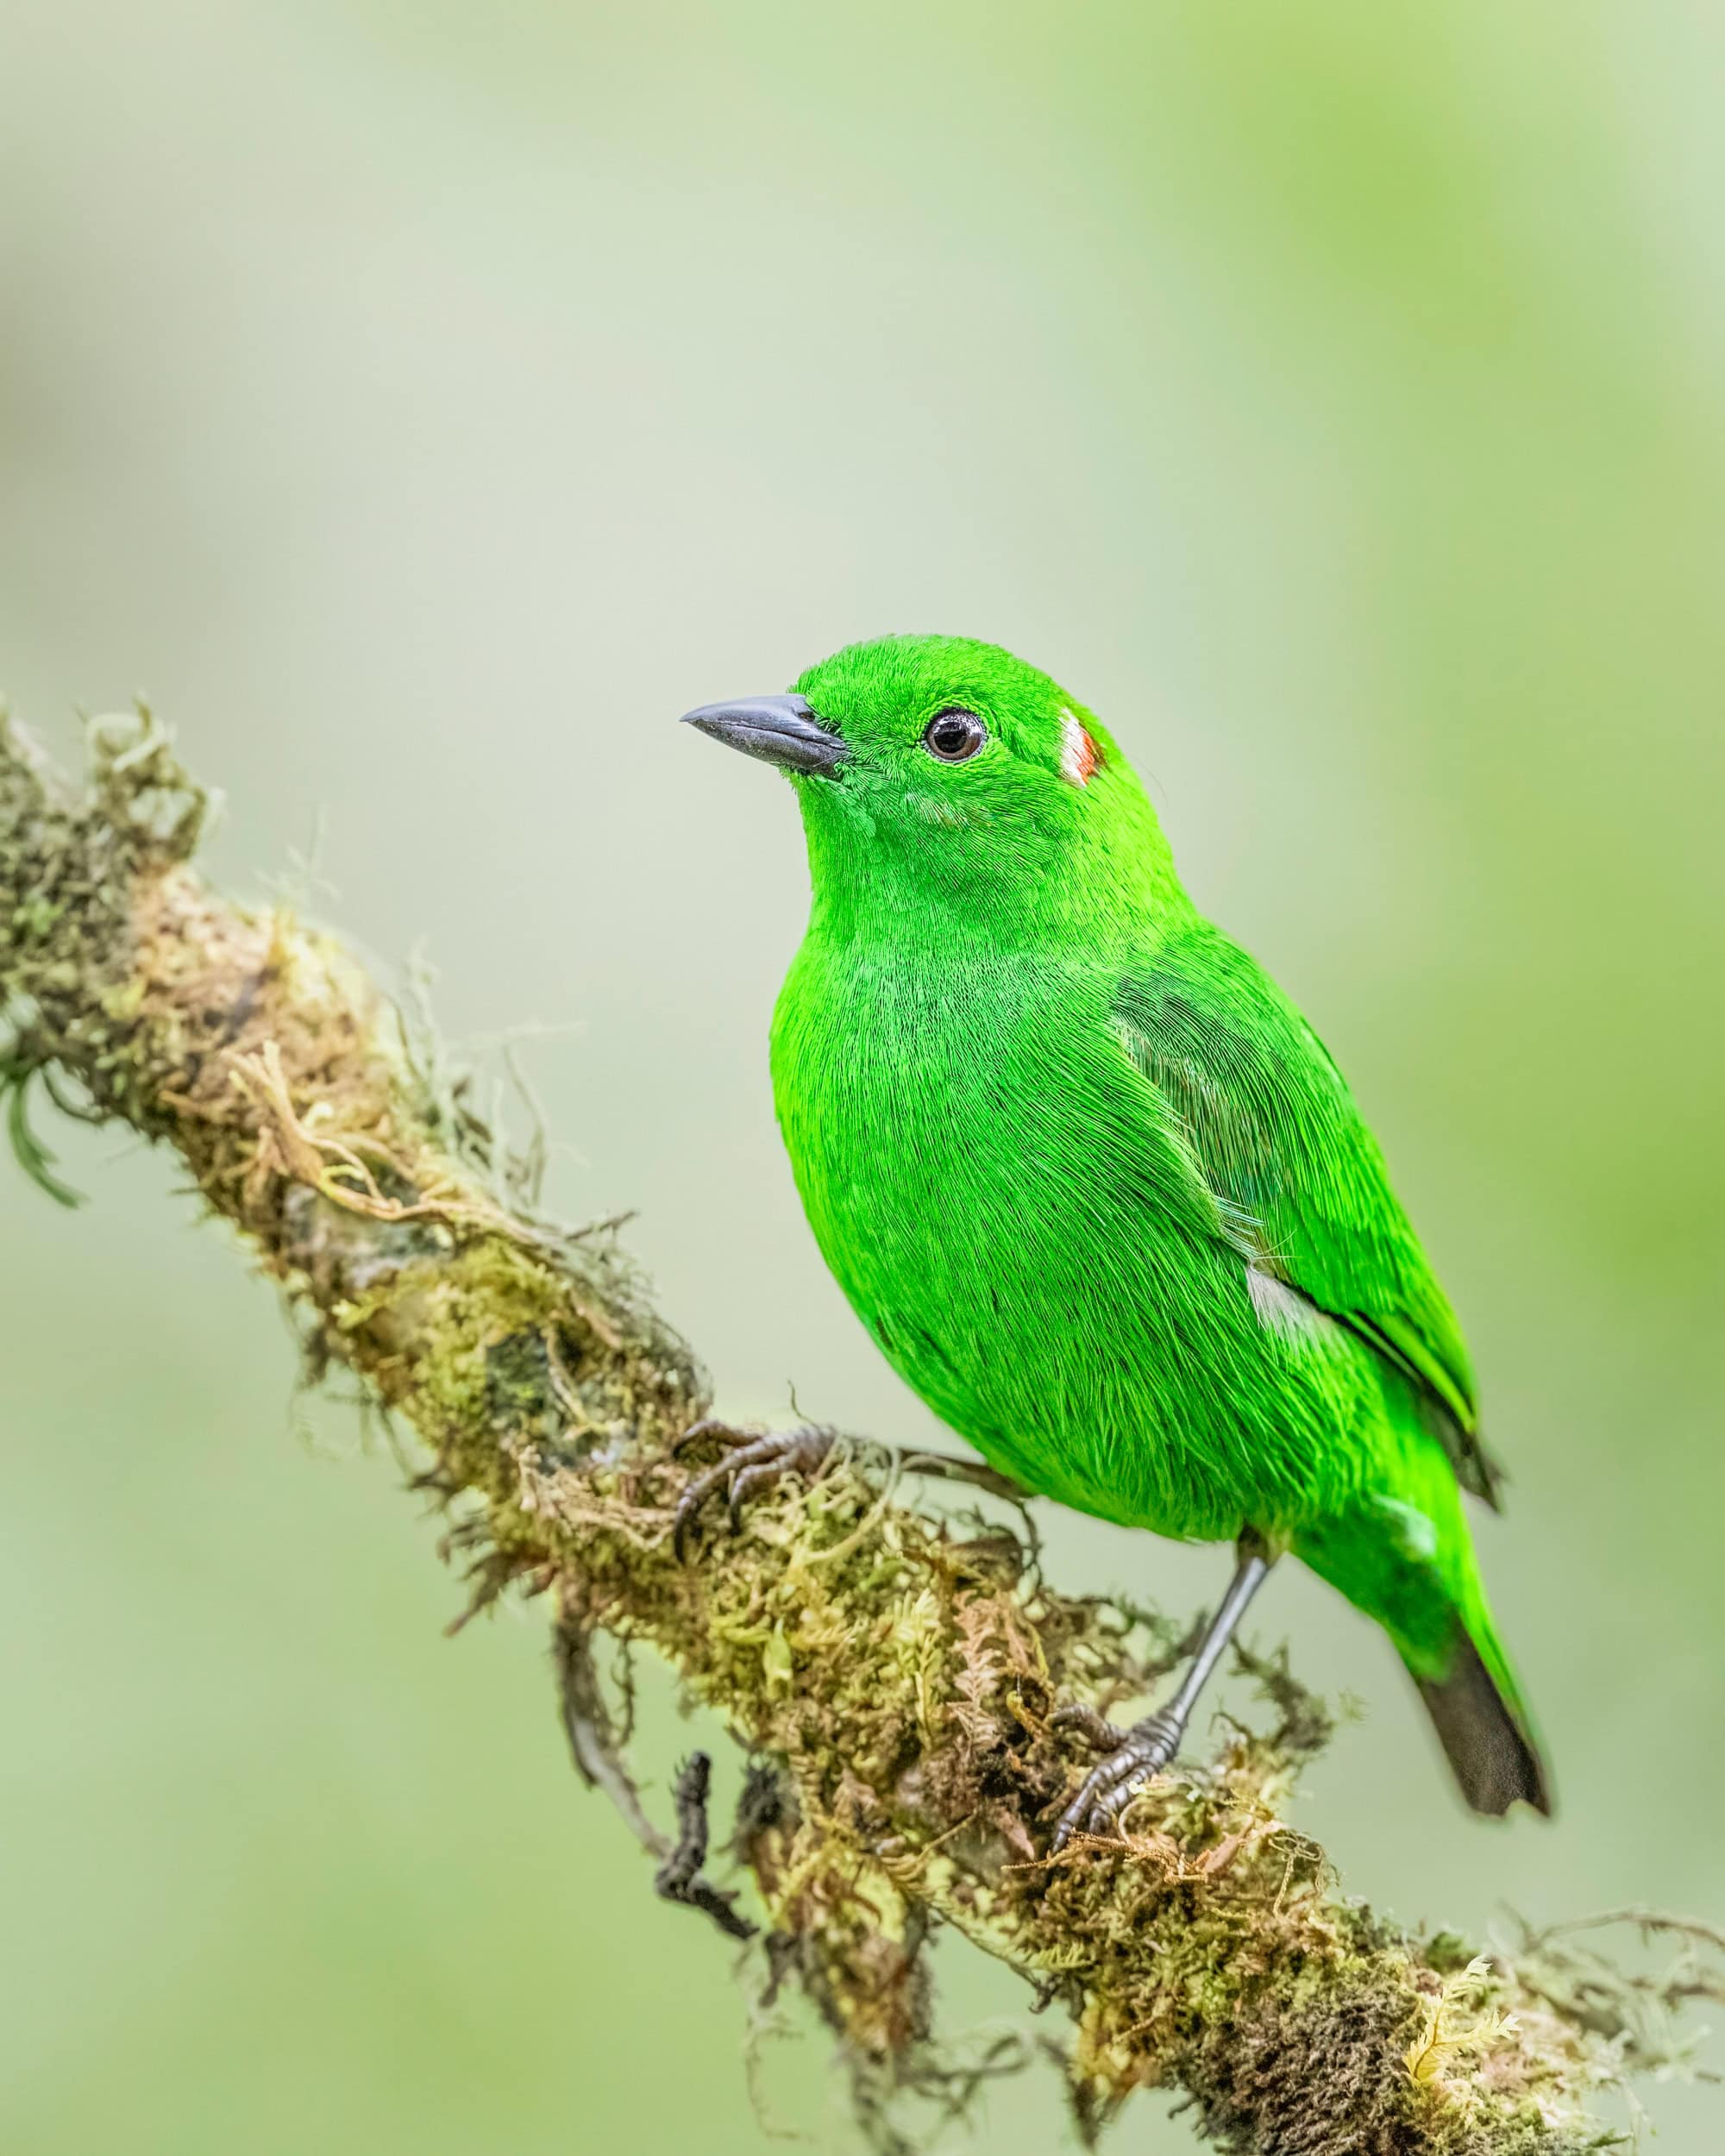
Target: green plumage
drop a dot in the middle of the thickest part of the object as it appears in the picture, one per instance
(1098, 1190)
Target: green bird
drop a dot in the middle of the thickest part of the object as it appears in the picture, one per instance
(1097, 1189)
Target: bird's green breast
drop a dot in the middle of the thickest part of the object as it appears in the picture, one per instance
(1004, 1200)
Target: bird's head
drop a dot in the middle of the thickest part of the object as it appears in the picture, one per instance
(945, 784)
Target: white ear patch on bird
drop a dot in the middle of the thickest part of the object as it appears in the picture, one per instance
(1080, 759)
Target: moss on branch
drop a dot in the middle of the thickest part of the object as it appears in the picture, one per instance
(892, 1672)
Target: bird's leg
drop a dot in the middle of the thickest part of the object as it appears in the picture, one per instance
(757, 1457)
(1147, 1746)
(941, 1467)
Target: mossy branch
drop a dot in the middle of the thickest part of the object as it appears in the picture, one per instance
(892, 1673)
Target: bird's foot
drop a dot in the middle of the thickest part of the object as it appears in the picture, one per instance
(755, 1460)
(1133, 1755)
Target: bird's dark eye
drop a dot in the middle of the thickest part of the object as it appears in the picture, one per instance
(954, 735)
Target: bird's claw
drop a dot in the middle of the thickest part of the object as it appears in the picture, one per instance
(755, 1460)
(1133, 1754)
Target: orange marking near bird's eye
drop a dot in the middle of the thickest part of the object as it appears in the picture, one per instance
(1079, 758)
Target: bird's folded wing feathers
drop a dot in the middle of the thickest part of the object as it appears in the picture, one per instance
(1297, 1176)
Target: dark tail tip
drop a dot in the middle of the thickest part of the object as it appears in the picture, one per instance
(1495, 1761)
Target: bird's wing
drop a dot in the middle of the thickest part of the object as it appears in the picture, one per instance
(1298, 1178)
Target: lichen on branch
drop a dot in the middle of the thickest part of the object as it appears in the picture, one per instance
(891, 1669)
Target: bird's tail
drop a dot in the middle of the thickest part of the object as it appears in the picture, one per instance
(1431, 1602)
(1476, 1711)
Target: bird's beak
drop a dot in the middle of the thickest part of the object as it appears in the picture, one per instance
(781, 729)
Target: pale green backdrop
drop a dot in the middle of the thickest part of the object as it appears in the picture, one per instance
(426, 404)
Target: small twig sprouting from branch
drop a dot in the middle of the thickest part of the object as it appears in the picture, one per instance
(593, 1738)
(681, 1877)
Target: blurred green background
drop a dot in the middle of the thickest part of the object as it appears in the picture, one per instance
(426, 404)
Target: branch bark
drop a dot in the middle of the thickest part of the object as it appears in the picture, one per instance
(892, 1672)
